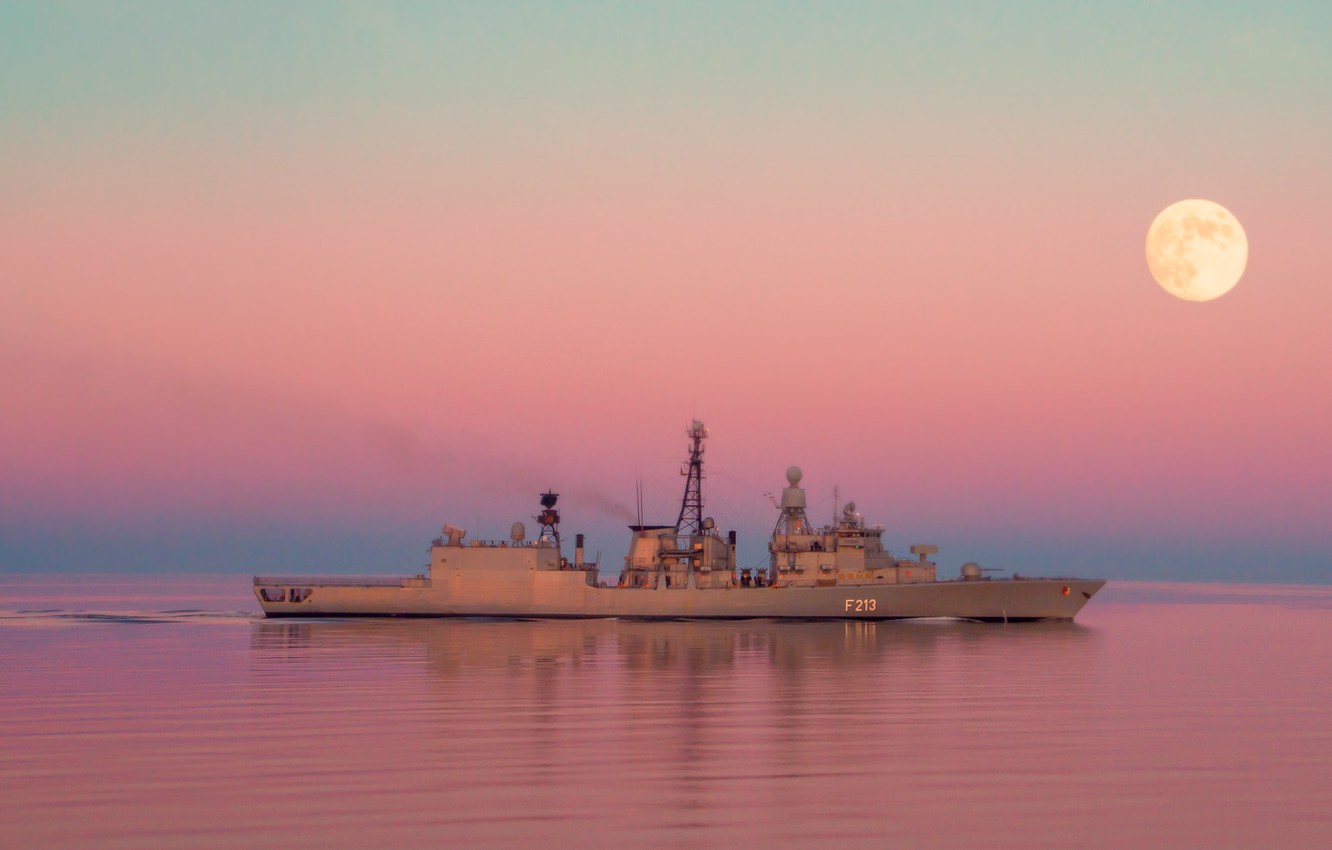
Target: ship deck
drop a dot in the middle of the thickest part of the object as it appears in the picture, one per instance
(343, 581)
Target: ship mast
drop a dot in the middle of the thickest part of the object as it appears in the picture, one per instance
(792, 519)
(549, 518)
(691, 506)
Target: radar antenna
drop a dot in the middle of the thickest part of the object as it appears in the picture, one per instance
(549, 518)
(793, 519)
(691, 506)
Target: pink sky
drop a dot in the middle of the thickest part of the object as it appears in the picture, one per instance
(394, 321)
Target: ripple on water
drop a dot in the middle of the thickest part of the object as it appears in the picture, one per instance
(1151, 720)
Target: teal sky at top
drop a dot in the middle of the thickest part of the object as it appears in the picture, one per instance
(497, 77)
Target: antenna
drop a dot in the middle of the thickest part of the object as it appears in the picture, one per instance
(549, 518)
(792, 519)
(691, 506)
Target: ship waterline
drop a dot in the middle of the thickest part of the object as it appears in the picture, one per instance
(684, 571)
(565, 595)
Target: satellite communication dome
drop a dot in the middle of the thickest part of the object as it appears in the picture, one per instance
(793, 475)
(696, 425)
(517, 532)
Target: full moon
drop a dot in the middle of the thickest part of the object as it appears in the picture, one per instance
(1196, 250)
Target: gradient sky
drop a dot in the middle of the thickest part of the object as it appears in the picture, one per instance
(286, 286)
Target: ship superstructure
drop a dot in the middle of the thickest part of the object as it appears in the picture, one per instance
(847, 552)
(690, 554)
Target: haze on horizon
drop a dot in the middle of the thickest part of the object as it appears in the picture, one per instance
(286, 288)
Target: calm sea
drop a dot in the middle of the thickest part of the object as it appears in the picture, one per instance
(152, 712)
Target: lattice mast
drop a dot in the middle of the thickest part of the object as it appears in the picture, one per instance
(691, 506)
(549, 518)
(792, 519)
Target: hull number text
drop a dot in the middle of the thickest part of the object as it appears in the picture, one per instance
(860, 606)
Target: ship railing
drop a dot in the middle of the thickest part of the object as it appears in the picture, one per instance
(337, 581)
(479, 543)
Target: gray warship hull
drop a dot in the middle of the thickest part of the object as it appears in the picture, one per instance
(565, 594)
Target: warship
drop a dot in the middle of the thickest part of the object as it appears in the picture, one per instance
(687, 570)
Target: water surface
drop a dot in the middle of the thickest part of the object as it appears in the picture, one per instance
(151, 712)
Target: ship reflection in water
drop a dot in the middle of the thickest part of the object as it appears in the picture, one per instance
(450, 646)
(761, 730)
(1182, 717)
